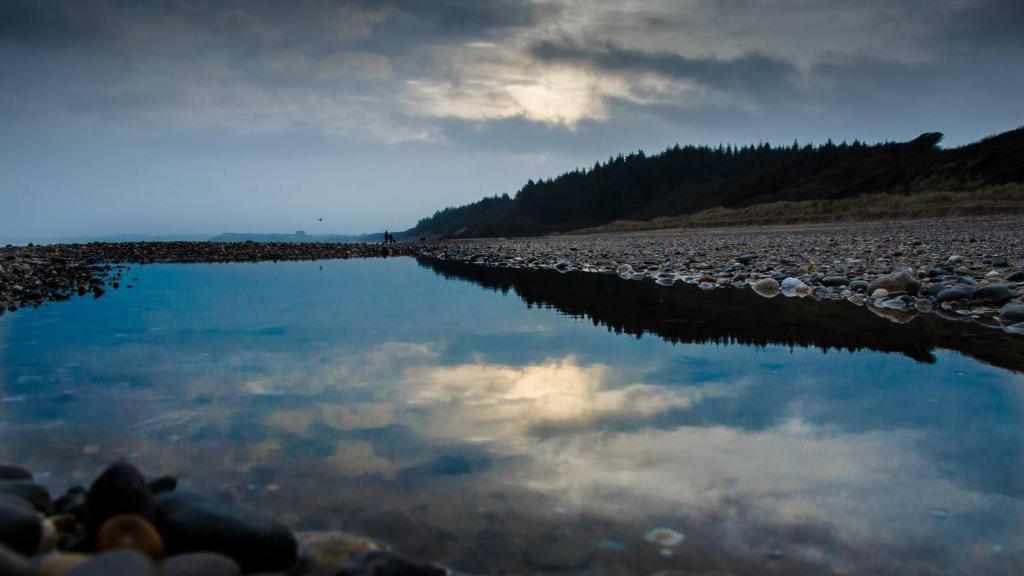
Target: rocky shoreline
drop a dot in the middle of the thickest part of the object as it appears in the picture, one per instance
(127, 525)
(962, 270)
(31, 275)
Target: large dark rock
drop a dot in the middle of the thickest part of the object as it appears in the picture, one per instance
(20, 527)
(11, 472)
(122, 562)
(120, 489)
(35, 494)
(901, 281)
(952, 294)
(191, 522)
(995, 295)
(1012, 313)
(386, 563)
(14, 564)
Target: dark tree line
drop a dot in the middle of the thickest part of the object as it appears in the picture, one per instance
(687, 179)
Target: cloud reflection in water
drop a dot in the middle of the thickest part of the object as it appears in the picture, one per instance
(508, 427)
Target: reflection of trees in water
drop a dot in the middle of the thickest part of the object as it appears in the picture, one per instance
(686, 314)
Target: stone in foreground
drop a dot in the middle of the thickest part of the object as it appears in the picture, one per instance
(20, 527)
(901, 281)
(192, 522)
(120, 489)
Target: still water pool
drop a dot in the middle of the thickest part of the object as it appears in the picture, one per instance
(521, 422)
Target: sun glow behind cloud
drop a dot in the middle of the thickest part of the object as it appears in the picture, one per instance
(551, 94)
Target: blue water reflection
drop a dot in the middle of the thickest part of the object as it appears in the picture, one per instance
(455, 422)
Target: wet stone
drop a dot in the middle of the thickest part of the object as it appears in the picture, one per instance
(895, 304)
(1012, 313)
(120, 489)
(951, 295)
(130, 531)
(192, 522)
(901, 281)
(29, 491)
(794, 287)
(11, 472)
(996, 294)
(766, 287)
(20, 526)
(14, 564)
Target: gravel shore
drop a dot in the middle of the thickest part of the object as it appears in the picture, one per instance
(31, 275)
(965, 269)
(959, 269)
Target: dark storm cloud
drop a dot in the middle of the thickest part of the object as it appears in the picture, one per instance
(987, 27)
(43, 23)
(68, 22)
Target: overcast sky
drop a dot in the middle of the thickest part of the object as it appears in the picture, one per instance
(203, 116)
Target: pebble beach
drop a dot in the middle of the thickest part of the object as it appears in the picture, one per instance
(960, 269)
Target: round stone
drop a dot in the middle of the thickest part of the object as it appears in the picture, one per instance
(130, 531)
(192, 522)
(20, 527)
(766, 287)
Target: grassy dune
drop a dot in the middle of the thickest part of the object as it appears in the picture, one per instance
(994, 201)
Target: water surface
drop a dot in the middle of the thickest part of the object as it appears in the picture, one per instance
(491, 421)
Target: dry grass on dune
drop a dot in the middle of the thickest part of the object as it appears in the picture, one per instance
(995, 201)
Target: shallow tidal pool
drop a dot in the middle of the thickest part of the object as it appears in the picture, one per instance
(504, 425)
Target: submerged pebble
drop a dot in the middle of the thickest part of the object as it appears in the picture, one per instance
(664, 537)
